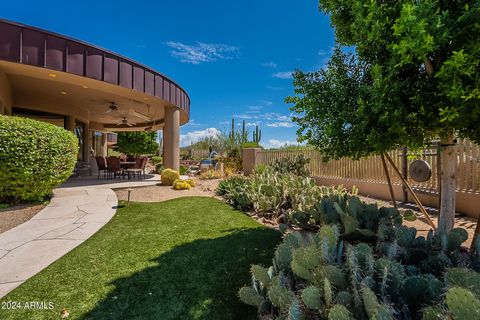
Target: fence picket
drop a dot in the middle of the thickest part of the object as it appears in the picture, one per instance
(370, 168)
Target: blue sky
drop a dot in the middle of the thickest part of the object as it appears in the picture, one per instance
(232, 57)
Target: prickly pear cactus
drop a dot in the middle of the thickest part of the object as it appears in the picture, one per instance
(305, 260)
(312, 297)
(390, 275)
(296, 312)
(384, 312)
(261, 275)
(405, 236)
(339, 312)
(364, 256)
(283, 256)
(434, 313)
(458, 277)
(334, 274)
(280, 296)
(250, 296)
(327, 292)
(455, 238)
(462, 304)
(370, 302)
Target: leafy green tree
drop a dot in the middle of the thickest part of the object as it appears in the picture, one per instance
(414, 77)
(137, 143)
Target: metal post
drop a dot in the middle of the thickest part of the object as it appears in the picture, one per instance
(414, 196)
(389, 181)
(405, 173)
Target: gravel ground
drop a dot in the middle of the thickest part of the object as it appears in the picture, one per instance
(421, 223)
(157, 193)
(13, 216)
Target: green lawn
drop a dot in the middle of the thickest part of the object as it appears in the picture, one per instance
(181, 259)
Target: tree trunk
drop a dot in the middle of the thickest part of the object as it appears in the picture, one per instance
(448, 165)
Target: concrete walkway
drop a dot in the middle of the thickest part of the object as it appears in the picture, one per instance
(78, 209)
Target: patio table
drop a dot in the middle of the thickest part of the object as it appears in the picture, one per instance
(125, 165)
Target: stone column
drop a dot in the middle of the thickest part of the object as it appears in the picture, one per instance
(104, 145)
(70, 123)
(171, 139)
(8, 110)
(86, 143)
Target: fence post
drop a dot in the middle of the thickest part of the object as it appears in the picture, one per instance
(250, 159)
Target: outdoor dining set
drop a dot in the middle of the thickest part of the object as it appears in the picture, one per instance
(116, 167)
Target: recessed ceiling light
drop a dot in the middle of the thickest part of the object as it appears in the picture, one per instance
(63, 92)
(52, 75)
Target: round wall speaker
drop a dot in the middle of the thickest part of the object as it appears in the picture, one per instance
(420, 171)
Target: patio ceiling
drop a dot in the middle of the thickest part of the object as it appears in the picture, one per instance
(87, 99)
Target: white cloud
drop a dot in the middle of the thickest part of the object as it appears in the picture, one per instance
(281, 124)
(255, 107)
(275, 143)
(266, 102)
(274, 88)
(269, 116)
(192, 123)
(195, 136)
(283, 75)
(269, 64)
(322, 52)
(202, 52)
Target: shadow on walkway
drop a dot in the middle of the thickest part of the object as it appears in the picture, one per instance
(198, 280)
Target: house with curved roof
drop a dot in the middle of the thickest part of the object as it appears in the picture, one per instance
(86, 89)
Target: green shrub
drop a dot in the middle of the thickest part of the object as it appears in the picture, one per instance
(156, 160)
(183, 170)
(35, 158)
(250, 144)
(231, 164)
(157, 163)
(169, 176)
(295, 166)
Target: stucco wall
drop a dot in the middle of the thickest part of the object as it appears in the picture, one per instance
(466, 203)
(5, 95)
(249, 159)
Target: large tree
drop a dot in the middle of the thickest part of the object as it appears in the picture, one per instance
(414, 76)
(137, 143)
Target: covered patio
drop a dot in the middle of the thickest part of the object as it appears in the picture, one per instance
(88, 90)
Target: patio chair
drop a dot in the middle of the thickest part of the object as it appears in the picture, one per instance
(102, 166)
(114, 168)
(139, 167)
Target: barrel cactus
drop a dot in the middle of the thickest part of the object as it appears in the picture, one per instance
(181, 185)
(169, 176)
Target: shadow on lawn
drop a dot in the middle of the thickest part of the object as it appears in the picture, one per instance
(198, 280)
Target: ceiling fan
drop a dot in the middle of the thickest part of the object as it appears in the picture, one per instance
(112, 107)
(125, 122)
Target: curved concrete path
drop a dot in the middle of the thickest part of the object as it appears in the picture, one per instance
(77, 210)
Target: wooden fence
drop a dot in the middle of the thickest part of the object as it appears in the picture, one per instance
(198, 153)
(370, 169)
